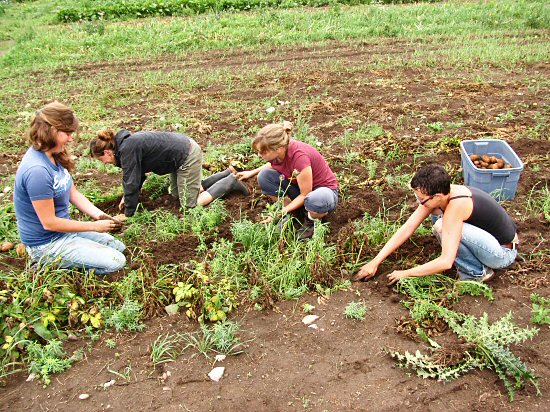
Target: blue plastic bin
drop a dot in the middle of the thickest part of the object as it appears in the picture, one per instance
(501, 183)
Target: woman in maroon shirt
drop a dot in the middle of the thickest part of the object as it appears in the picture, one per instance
(295, 170)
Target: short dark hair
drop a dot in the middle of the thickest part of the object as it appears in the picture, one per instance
(432, 179)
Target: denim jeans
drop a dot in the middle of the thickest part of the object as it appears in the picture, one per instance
(86, 250)
(319, 200)
(479, 250)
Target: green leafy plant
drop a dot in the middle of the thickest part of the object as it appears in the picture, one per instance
(540, 309)
(126, 317)
(356, 310)
(166, 348)
(45, 360)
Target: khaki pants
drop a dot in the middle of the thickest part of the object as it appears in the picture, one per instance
(186, 182)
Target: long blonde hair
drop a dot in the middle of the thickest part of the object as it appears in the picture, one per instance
(45, 124)
(104, 140)
(272, 136)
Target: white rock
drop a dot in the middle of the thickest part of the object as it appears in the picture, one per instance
(270, 109)
(309, 319)
(216, 373)
(110, 383)
(31, 377)
(7, 189)
(220, 358)
(83, 396)
(166, 388)
(313, 326)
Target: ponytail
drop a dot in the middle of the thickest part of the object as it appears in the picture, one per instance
(104, 140)
(272, 136)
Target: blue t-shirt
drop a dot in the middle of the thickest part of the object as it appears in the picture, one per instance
(37, 178)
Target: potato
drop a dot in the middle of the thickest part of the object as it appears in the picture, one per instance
(121, 217)
(485, 158)
(484, 165)
(5, 246)
(474, 157)
(507, 166)
(500, 162)
(21, 250)
(494, 166)
(492, 159)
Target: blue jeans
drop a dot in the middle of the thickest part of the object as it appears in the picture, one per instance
(86, 250)
(479, 250)
(319, 200)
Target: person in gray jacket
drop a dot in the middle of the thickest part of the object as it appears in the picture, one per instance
(162, 153)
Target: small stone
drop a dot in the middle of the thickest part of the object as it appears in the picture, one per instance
(216, 373)
(313, 326)
(7, 189)
(309, 319)
(83, 396)
(220, 358)
(31, 377)
(270, 109)
(166, 388)
(108, 384)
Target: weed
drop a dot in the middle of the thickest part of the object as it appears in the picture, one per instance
(126, 317)
(110, 343)
(307, 308)
(435, 127)
(356, 310)
(540, 309)
(45, 360)
(538, 202)
(165, 348)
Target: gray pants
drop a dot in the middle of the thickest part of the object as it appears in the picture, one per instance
(185, 183)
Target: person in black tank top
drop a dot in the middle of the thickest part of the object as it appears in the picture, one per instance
(475, 232)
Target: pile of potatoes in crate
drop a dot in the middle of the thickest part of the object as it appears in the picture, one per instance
(489, 162)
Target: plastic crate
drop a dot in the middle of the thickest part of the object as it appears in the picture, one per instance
(500, 183)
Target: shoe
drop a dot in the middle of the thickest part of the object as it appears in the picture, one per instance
(307, 229)
(489, 273)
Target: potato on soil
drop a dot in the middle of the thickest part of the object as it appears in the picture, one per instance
(5, 246)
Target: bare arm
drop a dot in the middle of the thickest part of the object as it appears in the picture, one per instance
(45, 210)
(83, 204)
(399, 237)
(453, 220)
(247, 174)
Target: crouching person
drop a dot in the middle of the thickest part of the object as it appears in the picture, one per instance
(43, 190)
(295, 170)
(475, 232)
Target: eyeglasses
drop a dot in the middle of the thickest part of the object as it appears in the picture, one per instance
(423, 202)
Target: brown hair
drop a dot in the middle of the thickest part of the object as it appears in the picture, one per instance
(272, 136)
(104, 140)
(44, 126)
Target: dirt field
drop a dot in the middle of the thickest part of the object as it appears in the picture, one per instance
(341, 365)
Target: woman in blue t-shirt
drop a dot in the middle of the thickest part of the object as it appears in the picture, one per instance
(43, 190)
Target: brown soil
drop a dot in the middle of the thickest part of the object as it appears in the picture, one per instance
(341, 365)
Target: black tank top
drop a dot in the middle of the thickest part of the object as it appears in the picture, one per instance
(489, 215)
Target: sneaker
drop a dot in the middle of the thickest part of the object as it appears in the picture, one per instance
(489, 273)
(307, 229)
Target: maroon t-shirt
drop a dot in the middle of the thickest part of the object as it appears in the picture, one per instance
(300, 155)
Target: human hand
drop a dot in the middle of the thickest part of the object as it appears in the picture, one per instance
(366, 272)
(245, 174)
(117, 223)
(396, 275)
(121, 204)
(106, 225)
(267, 219)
